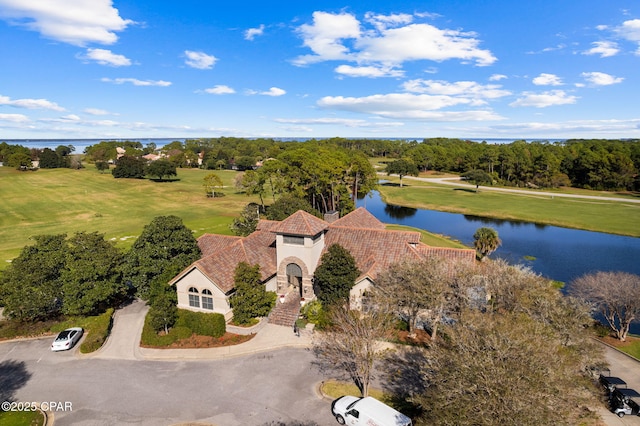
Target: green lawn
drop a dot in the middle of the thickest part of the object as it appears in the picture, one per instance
(593, 215)
(67, 201)
(21, 418)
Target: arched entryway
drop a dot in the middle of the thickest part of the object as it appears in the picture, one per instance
(294, 277)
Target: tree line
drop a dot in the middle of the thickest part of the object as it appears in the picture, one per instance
(21, 157)
(84, 274)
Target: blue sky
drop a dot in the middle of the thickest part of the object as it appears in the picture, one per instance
(415, 69)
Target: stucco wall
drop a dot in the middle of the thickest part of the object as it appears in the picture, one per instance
(196, 279)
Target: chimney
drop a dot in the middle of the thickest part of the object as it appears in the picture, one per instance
(331, 216)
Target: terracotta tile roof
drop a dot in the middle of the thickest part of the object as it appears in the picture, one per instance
(219, 266)
(365, 237)
(374, 249)
(359, 218)
(212, 243)
(462, 255)
(301, 223)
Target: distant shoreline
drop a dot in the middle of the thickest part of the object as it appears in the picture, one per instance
(80, 144)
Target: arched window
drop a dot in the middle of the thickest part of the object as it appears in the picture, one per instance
(207, 299)
(194, 298)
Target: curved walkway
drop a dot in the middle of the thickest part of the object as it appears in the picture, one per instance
(457, 182)
(124, 340)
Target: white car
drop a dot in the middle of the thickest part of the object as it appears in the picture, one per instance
(66, 339)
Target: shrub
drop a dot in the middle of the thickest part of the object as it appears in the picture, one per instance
(202, 324)
(315, 314)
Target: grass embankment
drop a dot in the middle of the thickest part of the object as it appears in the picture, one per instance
(631, 346)
(21, 418)
(593, 215)
(68, 201)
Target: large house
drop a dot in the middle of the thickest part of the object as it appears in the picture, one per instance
(288, 253)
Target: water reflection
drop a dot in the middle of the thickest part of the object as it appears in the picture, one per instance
(558, 253)
(399, 212)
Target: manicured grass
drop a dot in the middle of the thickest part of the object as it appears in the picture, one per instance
(21, 418)
(593, 215)
(67, 201)
(336, 389)
(430, 239)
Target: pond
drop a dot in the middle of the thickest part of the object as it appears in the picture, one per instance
(558, 253)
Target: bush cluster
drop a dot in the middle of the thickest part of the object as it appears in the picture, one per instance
(188, 323)
(201, 323)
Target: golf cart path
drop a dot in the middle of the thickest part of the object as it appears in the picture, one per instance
(457, 182)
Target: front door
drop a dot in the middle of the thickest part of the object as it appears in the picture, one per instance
(294, 277)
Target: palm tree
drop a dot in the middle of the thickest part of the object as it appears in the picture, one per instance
(486, 241)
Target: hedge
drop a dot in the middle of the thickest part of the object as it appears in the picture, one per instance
(202, 324)
(188, 323)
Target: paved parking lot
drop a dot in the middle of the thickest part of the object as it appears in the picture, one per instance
(249, 390)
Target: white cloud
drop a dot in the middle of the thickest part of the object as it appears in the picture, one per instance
(252, 33)
(382, 22)
(347, 122)
(75, 22)
(466, 89)
(30, 103)
(96, 111)
(603, 48)
(14, 118)
(106, 57)
(407, 106)
(497, 77)
(220, 89)
(368, 71)
(137, 82)
(601, 79)
(391, 39)
(544, 99)
(199, 60)
(324, 36)
(630, 30)
(574, 127)
(545, 79)
(274, 91)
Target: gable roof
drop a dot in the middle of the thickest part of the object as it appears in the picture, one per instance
(359, 218)
(221, 255)
(301, 223)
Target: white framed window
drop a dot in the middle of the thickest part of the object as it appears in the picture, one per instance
(207, 299)
(194, 297)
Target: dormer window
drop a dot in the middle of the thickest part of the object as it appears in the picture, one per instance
(293, 240)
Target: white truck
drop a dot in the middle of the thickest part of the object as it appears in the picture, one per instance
(353, 410)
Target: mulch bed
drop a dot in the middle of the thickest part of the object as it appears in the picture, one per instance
(617, 343)
(202, 342)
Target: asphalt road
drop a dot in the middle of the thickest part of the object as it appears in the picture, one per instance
(458, 182)
(628, 369)
(278, 386)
